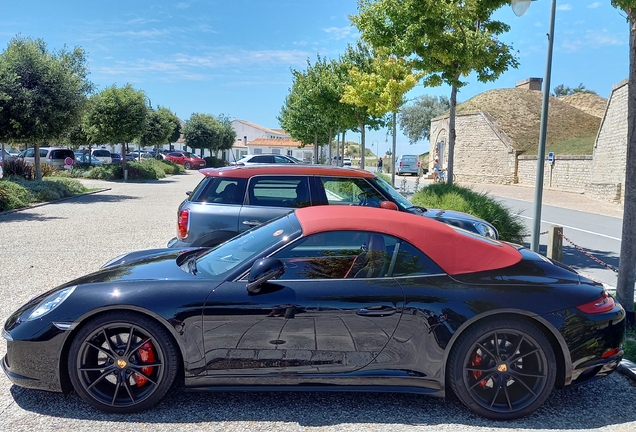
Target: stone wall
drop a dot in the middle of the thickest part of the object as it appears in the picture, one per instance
(607, 178)
(567, 172)
(482, 153)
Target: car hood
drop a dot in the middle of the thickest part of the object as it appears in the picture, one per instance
(154, 264)
(450, 214)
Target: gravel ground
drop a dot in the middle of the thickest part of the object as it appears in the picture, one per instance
(47, 245)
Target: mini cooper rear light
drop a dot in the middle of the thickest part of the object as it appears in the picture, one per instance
(611, 352)
(183, 223)
(603, 304)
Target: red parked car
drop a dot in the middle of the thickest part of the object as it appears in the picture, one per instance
(187, 159)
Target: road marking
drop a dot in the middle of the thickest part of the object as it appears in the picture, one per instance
(574, 228)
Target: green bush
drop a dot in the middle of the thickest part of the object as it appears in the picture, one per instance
(12, 195)
(145, 170)
(16, 192)
(453, 197)
(18, 167)
(171, 168)
(214, 162)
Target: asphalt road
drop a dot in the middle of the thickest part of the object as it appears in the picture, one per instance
(47, 245)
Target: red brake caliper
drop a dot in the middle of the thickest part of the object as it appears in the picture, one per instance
(475, 360)
(146, 355)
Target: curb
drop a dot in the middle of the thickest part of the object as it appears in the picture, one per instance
(628, 369)
(51, 202)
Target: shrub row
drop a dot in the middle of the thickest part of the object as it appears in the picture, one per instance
(148, 169)
(453, 197)
(17, 192)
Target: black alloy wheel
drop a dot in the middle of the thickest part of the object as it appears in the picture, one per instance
(187, 165)
(502, 369)
(122, 362)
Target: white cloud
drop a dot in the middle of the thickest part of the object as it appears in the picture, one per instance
(338, 32)
(182, 5)
(592, 39)
(565, 7)
(593, 5)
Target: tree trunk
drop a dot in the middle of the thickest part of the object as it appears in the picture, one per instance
(627, 270)
(362, 137)
(452, 134)
(329, 148)
(38, 167)
(123, 162)
(393, 150)
(315, 148)
(341, 162)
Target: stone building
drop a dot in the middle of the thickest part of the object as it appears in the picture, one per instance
(503, 150)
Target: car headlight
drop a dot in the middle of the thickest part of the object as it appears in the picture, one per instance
(486, 230)
(51, 302)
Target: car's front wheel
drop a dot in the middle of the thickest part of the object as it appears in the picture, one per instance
(187, 165)
(122, 362)
(502, 369)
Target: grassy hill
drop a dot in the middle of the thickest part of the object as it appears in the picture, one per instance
(517, 112)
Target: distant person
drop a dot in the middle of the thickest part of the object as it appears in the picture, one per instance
(436, 169)
(379, 164)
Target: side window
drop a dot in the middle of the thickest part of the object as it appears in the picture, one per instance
(222, 191)
(43, 153)
(350, 191)
(281, 160)
(279, 192)
(263, 159)
(338, 255)
(410, 261)
(30, 153)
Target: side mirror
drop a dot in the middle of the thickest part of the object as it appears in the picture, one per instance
(263, 270)
(188, 193)
(389, 205)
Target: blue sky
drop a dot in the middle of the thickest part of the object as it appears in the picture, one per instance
(234, 57)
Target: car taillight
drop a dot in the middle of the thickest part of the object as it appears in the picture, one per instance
(400, 165)
(418, 163)
(604, 303)
(183, 224)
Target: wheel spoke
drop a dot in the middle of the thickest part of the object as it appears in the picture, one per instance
(108, 341)
(480, 379)
(520, 380)
(519, 357)
(494, 399)
(144, 365)
(523, 374)
(93, 368)
(479, 345)
(139, 345)
(497, 346)
(129, 391)
(112, 402)
(505, 387)
(514, 351)
(109, 353)
(130, 337)
(146, 376)
(101, 377)
(476, 369)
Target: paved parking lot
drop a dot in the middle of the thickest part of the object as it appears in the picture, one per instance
(47, 245)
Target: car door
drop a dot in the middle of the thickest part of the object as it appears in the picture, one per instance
(333, 310)
(271, 196)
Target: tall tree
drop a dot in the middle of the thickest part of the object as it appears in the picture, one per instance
(42, 92)
(563, 90)
(382, 90)
(160, 127)
(627, 268)
(203, 131)
(117, 115)
(447, 40)
(415, 119)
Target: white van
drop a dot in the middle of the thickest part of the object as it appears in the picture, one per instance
(103, 155)
(407, 164)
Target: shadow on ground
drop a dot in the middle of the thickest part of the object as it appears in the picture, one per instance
(594, 405)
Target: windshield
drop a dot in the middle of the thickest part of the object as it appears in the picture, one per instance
(402, 202)
(251, 244)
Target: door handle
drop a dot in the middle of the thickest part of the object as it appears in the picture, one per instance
(251, 223)
(377, 311)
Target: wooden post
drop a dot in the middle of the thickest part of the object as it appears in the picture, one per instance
(555, 243)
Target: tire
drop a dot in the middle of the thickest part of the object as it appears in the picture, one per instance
(187, 165)
(110, 370)
(507, 379)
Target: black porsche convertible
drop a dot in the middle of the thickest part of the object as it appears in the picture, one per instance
(324, 298)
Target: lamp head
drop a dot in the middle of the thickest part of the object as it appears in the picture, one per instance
(519, 7)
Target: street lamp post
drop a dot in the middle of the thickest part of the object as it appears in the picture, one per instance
(519, 7)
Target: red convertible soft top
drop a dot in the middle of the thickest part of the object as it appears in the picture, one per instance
(456, 252)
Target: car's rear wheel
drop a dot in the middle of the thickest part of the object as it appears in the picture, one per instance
(502, 369)
(122, 362)
(187, 165)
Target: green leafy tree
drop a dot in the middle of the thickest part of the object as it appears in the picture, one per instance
(160, 127)
(117, 115)
(447, 40)
(415, 119)
(203, 131)
(562, 90)
(627, 269)
(42, 93)
(381, 90)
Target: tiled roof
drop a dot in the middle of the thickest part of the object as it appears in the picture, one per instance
(277, 142)
(239, 144)
(264, 129)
